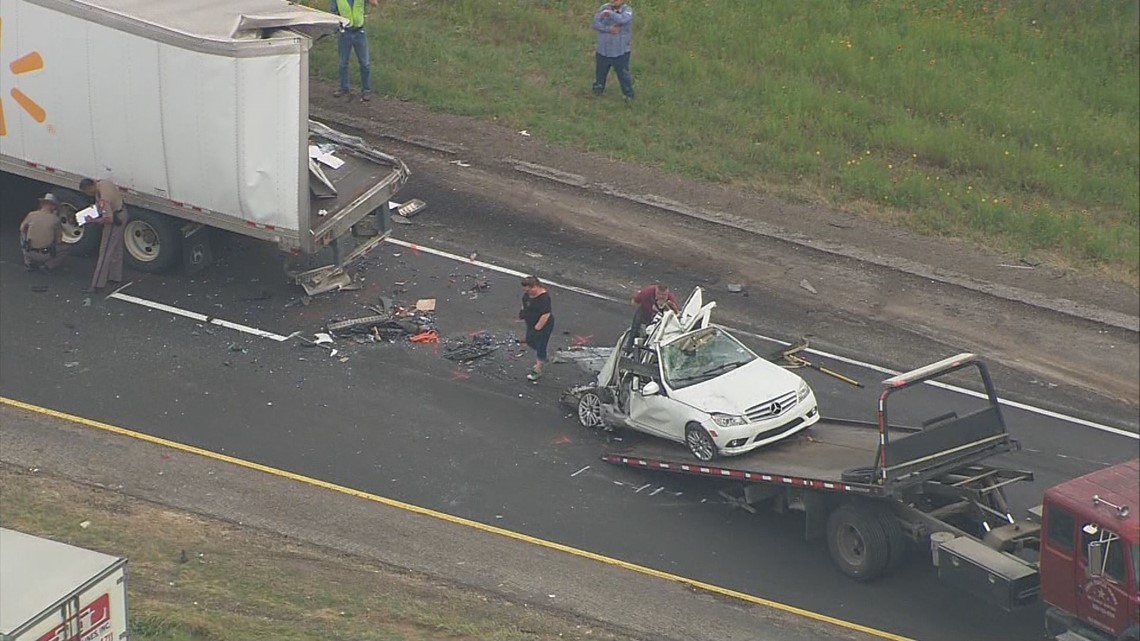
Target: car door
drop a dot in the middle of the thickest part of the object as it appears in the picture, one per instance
(695, 313)
(656, 413)
(1103, 598)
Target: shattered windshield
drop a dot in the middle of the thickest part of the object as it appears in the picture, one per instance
(702, 355)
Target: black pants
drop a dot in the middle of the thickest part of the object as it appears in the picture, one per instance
(637, 327)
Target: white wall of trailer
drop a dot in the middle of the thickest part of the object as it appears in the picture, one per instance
(207, 130)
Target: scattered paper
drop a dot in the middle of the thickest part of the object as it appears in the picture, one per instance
(524, 132)
(84, 216)
(330, 161)
(425, 305)
(460, 163)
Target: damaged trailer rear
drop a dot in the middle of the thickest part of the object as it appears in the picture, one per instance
(200, 114)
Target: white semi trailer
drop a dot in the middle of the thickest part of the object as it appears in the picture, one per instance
(197, 109)
(52, 591)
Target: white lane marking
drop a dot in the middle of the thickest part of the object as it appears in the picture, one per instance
(201, 318)
(843, 359)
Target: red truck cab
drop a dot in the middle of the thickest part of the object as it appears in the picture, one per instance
(1090, 556)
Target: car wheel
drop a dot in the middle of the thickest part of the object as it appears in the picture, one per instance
(699, 442)
(590, 410)
(857, 542)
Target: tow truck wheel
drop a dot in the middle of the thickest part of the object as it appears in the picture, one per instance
(699, 442)
(897, 543)
(590, 410)
(857, 542)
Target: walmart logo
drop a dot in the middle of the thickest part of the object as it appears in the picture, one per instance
(26, 63)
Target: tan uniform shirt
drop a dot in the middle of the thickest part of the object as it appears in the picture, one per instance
(42, 228)
(106, 191)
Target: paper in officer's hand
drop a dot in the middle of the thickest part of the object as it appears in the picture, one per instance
(84, 216)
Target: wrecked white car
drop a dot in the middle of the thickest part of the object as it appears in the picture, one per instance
(692, 382)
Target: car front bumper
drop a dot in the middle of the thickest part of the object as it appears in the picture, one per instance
(733, 441)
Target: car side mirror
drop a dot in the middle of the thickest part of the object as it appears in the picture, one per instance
(651, 388)
(1096, 557)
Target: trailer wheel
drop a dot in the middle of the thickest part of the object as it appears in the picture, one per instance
(699, 442)
(83, 240)
(153, 242)
(897, 544)
(590, 410)
(857, 542)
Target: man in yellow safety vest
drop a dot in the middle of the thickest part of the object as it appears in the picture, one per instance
(353, 38)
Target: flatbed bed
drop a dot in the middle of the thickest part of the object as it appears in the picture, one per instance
(826, 456)
(874, 489)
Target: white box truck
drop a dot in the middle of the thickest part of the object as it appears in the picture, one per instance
(197, 109)
(52, 591)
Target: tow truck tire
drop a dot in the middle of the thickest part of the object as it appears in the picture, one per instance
(590, 410)
(897, 543)
(700, 444)
(83, 240)
(857, 543)
(153, 242)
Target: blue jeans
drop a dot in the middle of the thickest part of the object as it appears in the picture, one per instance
(346, 43)
(620, 65)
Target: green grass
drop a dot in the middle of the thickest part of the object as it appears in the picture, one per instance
(1013, 124)
(240, 584)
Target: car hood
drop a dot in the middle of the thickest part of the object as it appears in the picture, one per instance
(736, 391)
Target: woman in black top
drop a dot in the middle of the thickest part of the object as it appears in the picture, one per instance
(539, 318)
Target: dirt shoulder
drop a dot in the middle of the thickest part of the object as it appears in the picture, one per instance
(271, 557)
(1039, 320)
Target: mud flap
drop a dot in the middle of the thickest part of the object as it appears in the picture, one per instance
(197, 250)
(817, 508)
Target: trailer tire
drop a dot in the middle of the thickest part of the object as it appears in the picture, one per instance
(857, 542)
(83, 240)
(898, 545)
(152, 241)
(700, 444)
(590, 415)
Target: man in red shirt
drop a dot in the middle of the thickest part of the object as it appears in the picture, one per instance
(648, 302)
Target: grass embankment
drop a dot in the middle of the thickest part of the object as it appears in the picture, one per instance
(1013, 124)
(195, 579)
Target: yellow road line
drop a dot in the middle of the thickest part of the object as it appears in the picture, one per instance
(408, 507)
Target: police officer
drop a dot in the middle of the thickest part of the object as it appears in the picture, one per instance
(41, 236)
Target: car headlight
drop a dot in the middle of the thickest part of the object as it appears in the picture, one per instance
(803, 391)
(728, 420)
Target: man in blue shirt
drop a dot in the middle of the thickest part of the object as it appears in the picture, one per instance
(614, 24)
(353, 38)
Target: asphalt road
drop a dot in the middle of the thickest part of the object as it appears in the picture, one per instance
(401, 421)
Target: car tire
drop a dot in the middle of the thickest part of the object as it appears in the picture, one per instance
(590, 411)
(152, 241)
(857, 543)
(700, 444)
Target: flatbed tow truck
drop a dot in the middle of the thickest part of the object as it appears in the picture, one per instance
(875, 489)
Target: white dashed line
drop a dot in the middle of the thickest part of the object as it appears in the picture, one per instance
(415, 247)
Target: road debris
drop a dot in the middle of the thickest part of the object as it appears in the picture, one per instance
(425, 305)
(806, 285)
(735, 288)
